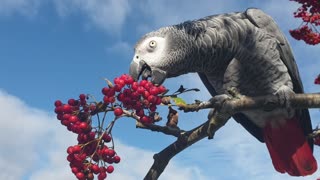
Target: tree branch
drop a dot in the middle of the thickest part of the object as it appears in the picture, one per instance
(221, 114)
(268, 103)
(164, 129)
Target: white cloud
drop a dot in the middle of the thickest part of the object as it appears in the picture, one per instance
(26, 136)
(108, 15)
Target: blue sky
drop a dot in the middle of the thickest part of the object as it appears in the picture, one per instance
(57, 49)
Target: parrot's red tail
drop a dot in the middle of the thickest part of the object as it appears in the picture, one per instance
(289, 149)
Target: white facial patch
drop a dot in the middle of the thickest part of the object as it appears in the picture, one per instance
(151, 50)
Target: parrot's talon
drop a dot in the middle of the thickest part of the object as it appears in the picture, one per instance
(218, 100)
(284, 94)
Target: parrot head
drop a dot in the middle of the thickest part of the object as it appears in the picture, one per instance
(160, 54)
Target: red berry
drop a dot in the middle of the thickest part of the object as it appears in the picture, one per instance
(134, 86)
(148, 85)
(95, 169)
(73, 119)
(82, 138)
(110, 169)
(58, 110)
(83, 125)
(161, 89)
(145, 120)
(90, 176)
(82, 97)
(74, 170)
(128, 80)
(92, 135)
(140, 90)
(105, 91)
(76, 149)
(152, 99)
(137, 105)
(154, 91)
(111, 92)
(70, 158)
(140, 113)
(92, 107)
(66, 117)
(72, 102)
(106, 137)
(119, 82)
(106, 99)
(57, 103)
(110, 152)
(143, 82)
(108, 159)
(120, 97)
(60, 116)
(112, 99)
(70, 150)
(135, 95)
(118, 111)
(102, 176)
(95, 158)
(127, 92)
(146, 94)
(65, 122)
(117, 88)
(80, 175)
(116, 159)
(67, 108)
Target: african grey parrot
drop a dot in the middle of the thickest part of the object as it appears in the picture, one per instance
(246, 51)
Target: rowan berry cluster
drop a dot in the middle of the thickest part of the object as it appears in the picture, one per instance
(141, 97)
(309, 12)
(93, 156)
(306, 34)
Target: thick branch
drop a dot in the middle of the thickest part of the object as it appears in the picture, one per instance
(219, 117)
(162, 159)
(268, 102)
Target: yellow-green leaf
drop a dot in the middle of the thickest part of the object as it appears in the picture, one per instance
(178, 101)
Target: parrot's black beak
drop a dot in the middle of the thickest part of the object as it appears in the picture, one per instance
(144, 70)
(139, 69)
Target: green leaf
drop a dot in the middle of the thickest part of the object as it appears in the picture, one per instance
(178, 101)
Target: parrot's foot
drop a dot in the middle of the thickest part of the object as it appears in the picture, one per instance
(218, 100)
(284, 94)
(217, 118)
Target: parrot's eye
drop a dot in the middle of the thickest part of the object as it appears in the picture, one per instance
(152, 44)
